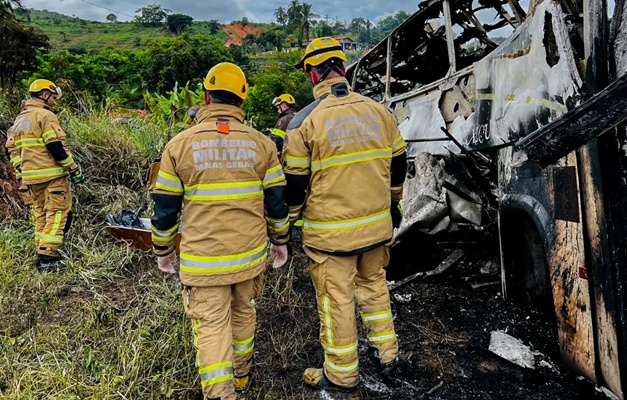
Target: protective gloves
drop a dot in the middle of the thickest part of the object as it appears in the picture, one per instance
(397, 214)
(77, 175)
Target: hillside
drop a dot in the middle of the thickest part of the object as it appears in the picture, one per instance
(78, 35)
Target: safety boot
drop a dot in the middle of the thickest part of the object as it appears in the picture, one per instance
(385, 369)
(50, 264)
(316, 379)
(242, 383)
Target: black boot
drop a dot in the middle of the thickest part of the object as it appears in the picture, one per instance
(50, 264)
(385, 369)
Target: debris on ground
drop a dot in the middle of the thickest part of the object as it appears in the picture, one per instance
(512, 349)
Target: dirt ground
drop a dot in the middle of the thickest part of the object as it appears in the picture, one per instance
(444, 327)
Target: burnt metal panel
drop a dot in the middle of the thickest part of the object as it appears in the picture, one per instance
(593, 118)
(565, 195)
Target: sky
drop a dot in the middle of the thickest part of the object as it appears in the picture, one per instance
(222, 10)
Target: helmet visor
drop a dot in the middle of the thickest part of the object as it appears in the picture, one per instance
(58, 92)
(275, 101)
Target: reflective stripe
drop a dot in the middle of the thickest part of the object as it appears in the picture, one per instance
(278, 132)
(223, 191)
(166, 233)
(216, 264)
(243, 347)
(354, 366)
(216, 373)
(18, 174)
(395, 188)
(66, 162)
(44, 173)
(351, 158)
(273, 175)
(328, 319)
(48, 239)
(341, 350)
(296, 162)
(36, 142)
(16, 160)
(326, 226)
(196, 334)
(382, 337)
(275, 225)
(169, 182)
(48, 136)
(294, 215)
(398, 144)
(57, 222)
(378, 316)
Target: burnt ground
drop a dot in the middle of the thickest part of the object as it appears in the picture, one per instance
(444, 328)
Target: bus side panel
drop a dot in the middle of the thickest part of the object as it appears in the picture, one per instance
(547, 196)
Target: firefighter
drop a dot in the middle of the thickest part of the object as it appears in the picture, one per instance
(345, 165)
(285, 106)
(36, 143)
(231, 183)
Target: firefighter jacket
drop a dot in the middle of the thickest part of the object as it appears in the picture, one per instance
(228, 177)
(36, 145)
(278, 133)
(345, 162)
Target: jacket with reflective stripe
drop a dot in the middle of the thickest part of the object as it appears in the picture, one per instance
(33, 129)
(345, 143)
(223, 179)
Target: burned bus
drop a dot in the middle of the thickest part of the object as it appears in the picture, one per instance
(540, 116)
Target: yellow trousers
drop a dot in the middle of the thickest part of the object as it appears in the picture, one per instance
(338, 281)
(52, 204)
(223, 322)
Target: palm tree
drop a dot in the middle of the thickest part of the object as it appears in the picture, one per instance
(307, 17)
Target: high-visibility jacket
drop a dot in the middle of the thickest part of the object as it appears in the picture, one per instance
(278, 133)
(36, 145)
(232, 186)
(345, 162)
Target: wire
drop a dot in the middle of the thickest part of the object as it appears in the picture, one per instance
(97, 5)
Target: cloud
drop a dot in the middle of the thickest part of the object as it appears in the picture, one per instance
(223, 11)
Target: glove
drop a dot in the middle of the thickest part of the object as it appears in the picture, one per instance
(397, 214)
(76, 175)
(168, 264)
(279, 253)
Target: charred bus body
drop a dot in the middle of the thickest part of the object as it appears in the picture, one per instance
(541, 115)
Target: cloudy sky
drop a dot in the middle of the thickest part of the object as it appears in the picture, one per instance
(222, 10)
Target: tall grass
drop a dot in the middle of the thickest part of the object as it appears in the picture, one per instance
(112, 326)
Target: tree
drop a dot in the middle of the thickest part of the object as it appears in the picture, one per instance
(281, 16)
(306, 16)
(294, 15)
(182, 59)
(20, 45)
(152, 15)
(244, 21)
(112, 18)
(177, 23)
(214, 26)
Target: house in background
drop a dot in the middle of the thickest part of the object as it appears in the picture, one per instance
(346, 42)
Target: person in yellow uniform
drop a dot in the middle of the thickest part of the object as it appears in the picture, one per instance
(36, 143)
(285, 105)
(345, 165)
(232, 186)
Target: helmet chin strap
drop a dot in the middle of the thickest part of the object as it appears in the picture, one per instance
(333, 67)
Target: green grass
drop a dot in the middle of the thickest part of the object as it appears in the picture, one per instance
(74, 33)
(113, 326)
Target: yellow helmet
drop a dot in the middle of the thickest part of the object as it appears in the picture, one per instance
(228, 77)
(44, 84)
(284, 98)
(319, 51)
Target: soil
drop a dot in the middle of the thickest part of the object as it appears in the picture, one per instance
(444, 328)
